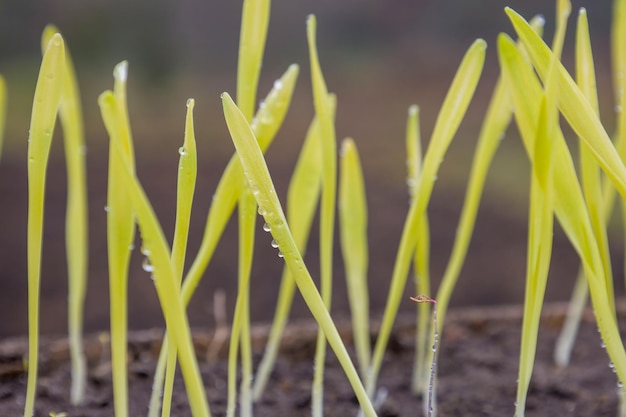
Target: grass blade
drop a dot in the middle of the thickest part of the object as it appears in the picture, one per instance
(255, 18)
(592, 189)
(540, 223)
(328, 148)
(262, 187)
(421, 265)
(228, 190)
(186, 184)
(575, 107)
(569, 203)
(353, 228)
(157, 252)
(449, 118)
(45, 106)
(302, 199)
(120, 237)
(76, 234)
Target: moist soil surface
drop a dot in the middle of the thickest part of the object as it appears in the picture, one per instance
(477, 372)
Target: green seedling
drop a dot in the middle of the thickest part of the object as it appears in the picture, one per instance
(76, 218)
(302, 199)
(158, 258)
(263, 190)
(421, 299)
(600, 206)
(353, 228)
(323, 111)
(255, 20)
(452, 111)
(120, 238)
(569, 204)
(45, 107)
(187, 172)
(421, 265)
(540, 224)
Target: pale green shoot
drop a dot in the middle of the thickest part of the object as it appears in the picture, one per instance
(592, 188)
(268, 120)
(76, 240)
(254, 23)
(421, 266)
(302, 199)
(354, 247)
(45, 106)
(262, 188)
(187, 172)
(323, 111)
(158, 257)
(569, 203)
(255, 18)
(224, 200)
(575, 107)
(120, 237)
(3, 110)
(452, 111)
(540, 221)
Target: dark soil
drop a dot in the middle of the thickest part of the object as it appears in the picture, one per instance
(477, 369)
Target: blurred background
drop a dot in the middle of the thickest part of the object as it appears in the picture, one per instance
(379, 56)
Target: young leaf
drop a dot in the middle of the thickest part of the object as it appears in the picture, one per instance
(157, 252)
(45, 106)
(302, 200)
(452, 111)
(353, 228)
(262, 188)
(76, 240)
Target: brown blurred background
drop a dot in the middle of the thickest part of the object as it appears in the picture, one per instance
(378, 56)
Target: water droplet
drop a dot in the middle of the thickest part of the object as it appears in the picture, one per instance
(131, 247)
(182, 151)
(222, 96)
(274, 243)
(619, 384)
(145, 252)
(261, 104)
(214, 197)
(146, 265)
(280, 254)
(267, 227)
(603, 345)
(153, 277)
(107, 208)
(618, 109)
(262, 211)
(190, 102)
(435, 178)
(411, 182)
(278, 84)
